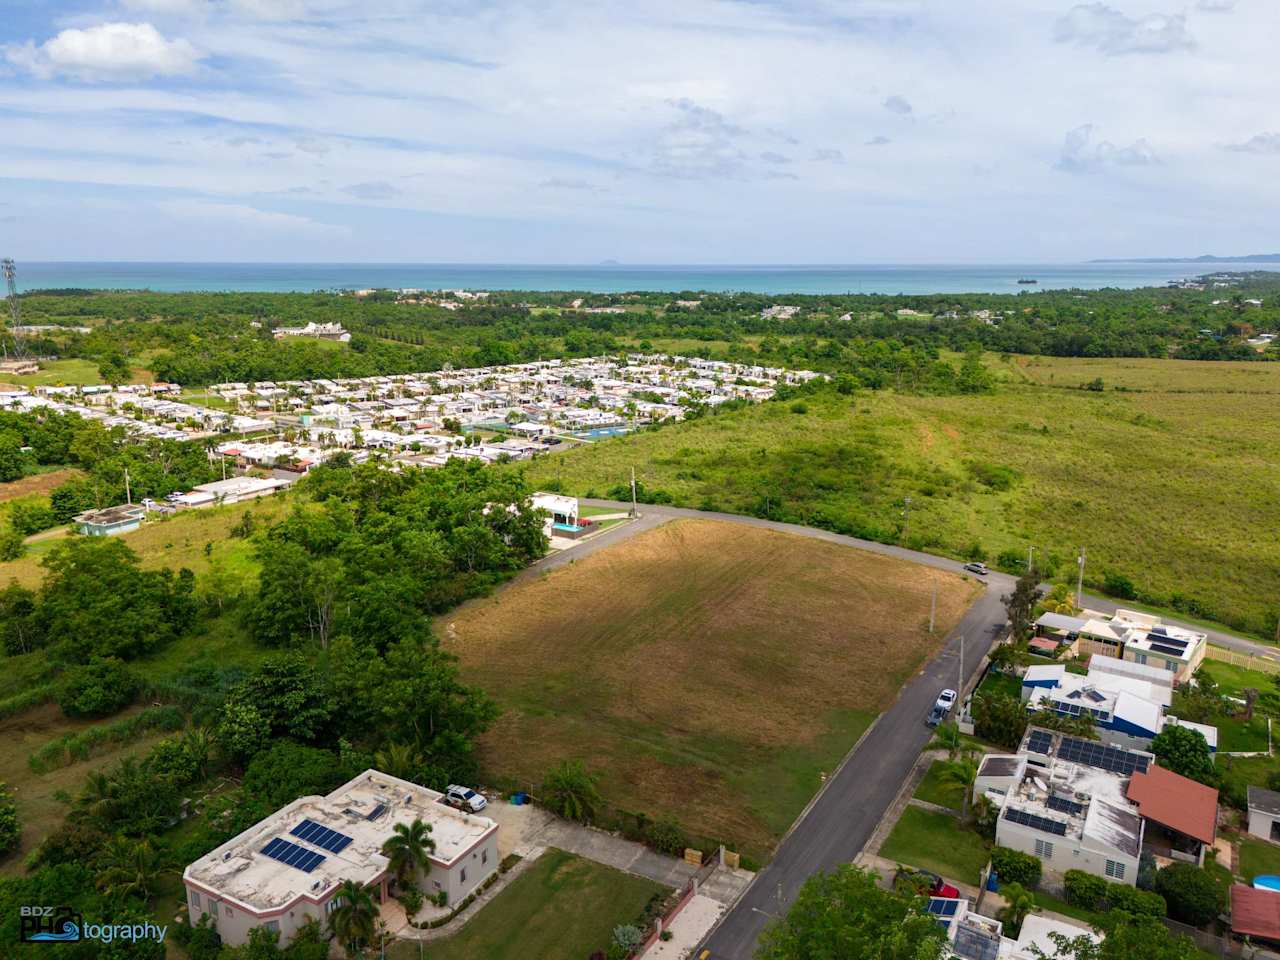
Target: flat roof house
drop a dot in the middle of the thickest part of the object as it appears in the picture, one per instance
(110, 520)
(285, 870)
(1264, 813)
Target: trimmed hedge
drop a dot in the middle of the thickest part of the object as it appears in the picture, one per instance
(1014, 866)
(1093, 893)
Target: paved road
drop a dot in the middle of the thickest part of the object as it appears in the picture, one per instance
(842, 818)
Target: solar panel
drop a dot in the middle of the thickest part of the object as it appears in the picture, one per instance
(1095, 696)
(1039, 741)
(377, 811)
(293, 855)
(975, 945)
(1104, 758)
(1063, 805)
(1043, 824)
(321, 836)
(1168, 648)
(943, 906)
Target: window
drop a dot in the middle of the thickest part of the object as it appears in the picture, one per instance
(193, 898)
(1115, 870)
(228, 909)
(331, 906)
(272, 925)
(1139, 658)
(463, 876)
(1044, 849)
(1170, 665)
(484, 855)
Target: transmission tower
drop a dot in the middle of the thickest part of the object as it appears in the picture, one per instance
(10, 270)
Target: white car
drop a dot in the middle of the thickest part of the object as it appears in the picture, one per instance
(465, 797)
(946, 699)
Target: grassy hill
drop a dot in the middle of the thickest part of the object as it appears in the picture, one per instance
(1169, 474)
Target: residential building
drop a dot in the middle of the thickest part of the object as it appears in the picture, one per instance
(1264, 814)
(317, 331)
(230, 490)
(110, 520)
(285, 870)
(1129, 635)
(1181, 815)
(1255, 913)
(977, 937)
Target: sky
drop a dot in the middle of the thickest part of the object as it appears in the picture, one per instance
(657, 131)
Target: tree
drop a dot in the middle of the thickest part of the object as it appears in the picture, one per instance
(1021, 604)
(1193, 895)
(999, 718)
(287, 770)
(22, 629)
(129, 869)
(400, 760)
(1185, 751)
(962, 772)
(284, 697)
(354, 918)
(408, 848)
(97, 688)
(570, 791)
(1019, 901)
(947, 736)
(845, 913)
(10, 827)
(13, 462)
(1124, 937)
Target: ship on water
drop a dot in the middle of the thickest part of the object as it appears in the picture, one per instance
(1026, 280)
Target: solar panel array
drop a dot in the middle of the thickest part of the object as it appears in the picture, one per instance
(1104, 758)
(1043, 824)
(975, 945)
(1168, 648)
(943, 906)
(293, 855)
(1063, 805)
(377, 811)
(1039, 742)
(321, 836)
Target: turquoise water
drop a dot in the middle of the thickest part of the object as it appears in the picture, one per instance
(599, 432)
(884, 278)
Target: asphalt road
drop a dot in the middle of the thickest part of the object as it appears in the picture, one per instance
(841, 819)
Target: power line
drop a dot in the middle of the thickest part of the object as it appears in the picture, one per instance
(10, 270)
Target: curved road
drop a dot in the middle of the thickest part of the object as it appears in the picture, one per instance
(839, 821)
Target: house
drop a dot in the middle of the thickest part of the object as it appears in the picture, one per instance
(1264, 814)
(284, 870)
(110, 521)
(1129, 635)
(1255, 913)
(230, 490)
(318, 331)
(19, 368)
(1083, 805)
(977, 937)
(562, 512)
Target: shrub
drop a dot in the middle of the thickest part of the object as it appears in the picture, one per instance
(1014, 866)
(1137, 902)
(665, 836)
(12, 546)
(31, 517)
(410, 898)
(1192, 894)
(10, 828)
(1084, 890)
(96, 689)
(628, 937)
(1118, 585)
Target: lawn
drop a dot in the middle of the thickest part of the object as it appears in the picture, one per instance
(1258, 858)
(1187, 455)
(561, 908)
(937, 842)
(1000, 684)
(711, 672)
(933, 789)
(37, 484)
(1232, 680)
(1237, 736)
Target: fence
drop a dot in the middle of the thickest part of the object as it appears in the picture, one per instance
(1209, 942)
(704, 873)
(1249, 661)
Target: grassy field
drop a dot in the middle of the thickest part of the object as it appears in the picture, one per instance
(1258, 858)
(36, 484)
(1170, 476)
(561, 908)
(709, 671)
(73, 372)
(36, 795)
(936, 841)
(933, 789)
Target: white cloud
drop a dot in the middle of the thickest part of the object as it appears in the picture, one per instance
(699, 143)
(244, 215)
(372, 190)
(878, 141)
(272, 9)
(827, 155)
(1268, 143)
(898, 104)
(1113, 32)
(1216, 6)
(1081, 155)
(569, 183)
(110, 51)
(174, 7)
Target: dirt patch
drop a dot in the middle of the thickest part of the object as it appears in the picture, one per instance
(37, 483)
(687, 660)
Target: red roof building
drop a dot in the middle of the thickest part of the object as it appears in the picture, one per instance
(1255, 913)
(1176, 802)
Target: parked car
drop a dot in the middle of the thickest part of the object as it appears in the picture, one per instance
(947, 699)
(979, 568)
(935, 885)
(936, 715)
(465, 798)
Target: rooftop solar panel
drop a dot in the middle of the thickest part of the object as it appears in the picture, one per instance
(321, 836)
(1063, 805)
(943, 906)
(293, 855)
(377, 811)
(1168, 648)
(1043, 824)
(971, 944)
(1104, 758)
(1039, 741)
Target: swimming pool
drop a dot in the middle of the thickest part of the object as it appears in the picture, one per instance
(600, 432)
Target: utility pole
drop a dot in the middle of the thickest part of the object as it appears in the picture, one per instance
(1030, 563)
(1080, 579)
(906, 515)
(960, 687)
(633, 493)
(128, 494)
(933, 605)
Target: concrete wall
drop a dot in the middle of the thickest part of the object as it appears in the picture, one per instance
(1067, 855)
(477, 865)
(1260, 824)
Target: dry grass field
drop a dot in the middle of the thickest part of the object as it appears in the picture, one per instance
(710, 671)
(37, 483)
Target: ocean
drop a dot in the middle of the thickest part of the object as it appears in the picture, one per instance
(607, 278)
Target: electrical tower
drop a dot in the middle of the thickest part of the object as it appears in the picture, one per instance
(10, 270)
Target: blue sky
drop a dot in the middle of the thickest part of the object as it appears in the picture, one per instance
(665, 131)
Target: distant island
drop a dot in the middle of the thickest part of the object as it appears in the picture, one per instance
(1206, 258)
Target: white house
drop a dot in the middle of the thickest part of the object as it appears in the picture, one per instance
(285, 870)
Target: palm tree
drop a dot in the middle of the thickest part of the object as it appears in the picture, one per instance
(570, 790)
(1020, 902)
(961, 773)
(129, 869)
(407, 848)
(400, 760)
(947, 736)
(354, 918)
